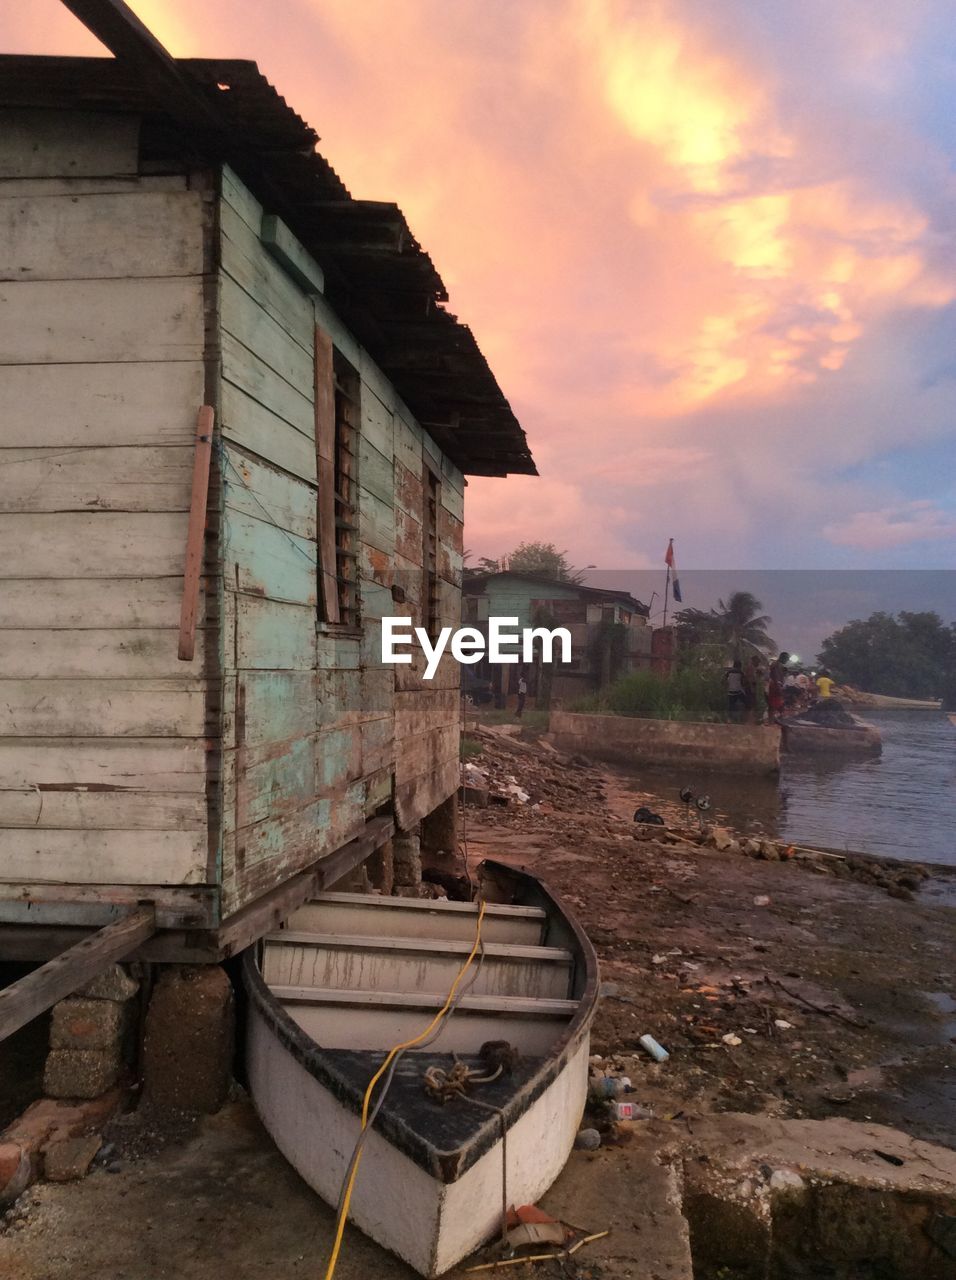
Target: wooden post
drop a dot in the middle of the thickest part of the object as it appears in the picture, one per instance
(28, 997)
(196, 535)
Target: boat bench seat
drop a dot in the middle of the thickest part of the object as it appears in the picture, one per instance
(353, 1019)
(372, 915)
(338, 961)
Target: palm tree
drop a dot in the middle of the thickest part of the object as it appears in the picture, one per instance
(743, 627)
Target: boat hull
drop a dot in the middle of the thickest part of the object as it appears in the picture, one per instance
(429, 1223)
(424, 1194)
(804, 738)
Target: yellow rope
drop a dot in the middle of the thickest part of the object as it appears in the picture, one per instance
(407, 1044)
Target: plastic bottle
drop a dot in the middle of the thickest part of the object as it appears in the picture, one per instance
(657, 1051)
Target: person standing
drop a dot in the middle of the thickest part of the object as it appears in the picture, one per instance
(736, 692)
(756, 689)
(522, 696)
(825, 683)
(778, 674)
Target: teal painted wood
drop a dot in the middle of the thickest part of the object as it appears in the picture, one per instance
(254, 488)
(376, 471)
(336, 650)
(273, 787)
(271, 636)
(266, 561)
(277, 705)
(243, 369)
(338, 757)
(377, 601)
(377, 422)
(248, 321)
(376, 522)
(248, 424)
(338, 695)
(290, 255)
(247, 261)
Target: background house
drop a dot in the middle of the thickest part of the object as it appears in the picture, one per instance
(217, 748)
(609, 630)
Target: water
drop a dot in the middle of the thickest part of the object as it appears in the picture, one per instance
(901, 804)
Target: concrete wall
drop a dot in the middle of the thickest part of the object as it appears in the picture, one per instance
(626, 740)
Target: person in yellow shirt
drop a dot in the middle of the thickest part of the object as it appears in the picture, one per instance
(825, 683)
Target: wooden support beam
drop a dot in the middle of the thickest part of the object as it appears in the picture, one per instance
(25, 999)
(196, 534)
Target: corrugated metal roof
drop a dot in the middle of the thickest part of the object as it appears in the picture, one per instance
(378, 278)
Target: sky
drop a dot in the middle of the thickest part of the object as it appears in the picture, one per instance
(708, 249)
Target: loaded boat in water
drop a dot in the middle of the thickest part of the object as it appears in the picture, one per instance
(348, 977)
(827, 728)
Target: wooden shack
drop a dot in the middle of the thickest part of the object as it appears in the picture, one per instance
(236, 420)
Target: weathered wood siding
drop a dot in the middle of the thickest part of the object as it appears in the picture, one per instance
(102, 338)
(318, 734)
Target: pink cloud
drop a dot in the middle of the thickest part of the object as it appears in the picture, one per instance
(897, 526)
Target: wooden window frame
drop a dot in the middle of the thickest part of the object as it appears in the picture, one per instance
(337, 426)
(431, 589)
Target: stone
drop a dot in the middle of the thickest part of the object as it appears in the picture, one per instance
(114, 984)
(80, 1073)
(16, 1171)
(381, 868)
(407, 874)
(721, 838)
(70, 1159)
(406, 847)
(190, 1032)
(587, 1140)
(79, 1023)
(786, 1180)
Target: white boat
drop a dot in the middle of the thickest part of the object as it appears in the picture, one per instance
(351, 975)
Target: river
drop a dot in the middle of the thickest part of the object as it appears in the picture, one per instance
(901, 804)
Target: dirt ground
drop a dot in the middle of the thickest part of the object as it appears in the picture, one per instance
(841, 998)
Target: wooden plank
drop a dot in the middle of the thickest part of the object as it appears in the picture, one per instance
(415, 798)
(245, 370)
(90, 654)
(408, 445)
(248, 322)
(93, 857)
(246, 261)
(246, 926)
(196, 534)
(377, 423)
(93, 237)
(88, 405)
(89, 321)
(98, 603)
(176, 906)
(60, 707)
(237, 196)
(255, 488)
(103, 810)
(324, 398)
(277, 706)
(253, 426)
(128, 184)
(265, 561)
(39, 990)
(96, 545)
(271, 788)
(85, 479)
(376, 522)
(103, 764)
(42, 143)
(279, 241)
(376, 471)
(272, 636)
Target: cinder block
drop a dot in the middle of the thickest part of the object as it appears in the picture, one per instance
(79, 1023)
(114, 984)
(80, 1073)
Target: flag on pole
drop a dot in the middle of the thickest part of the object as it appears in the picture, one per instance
(671, 564)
